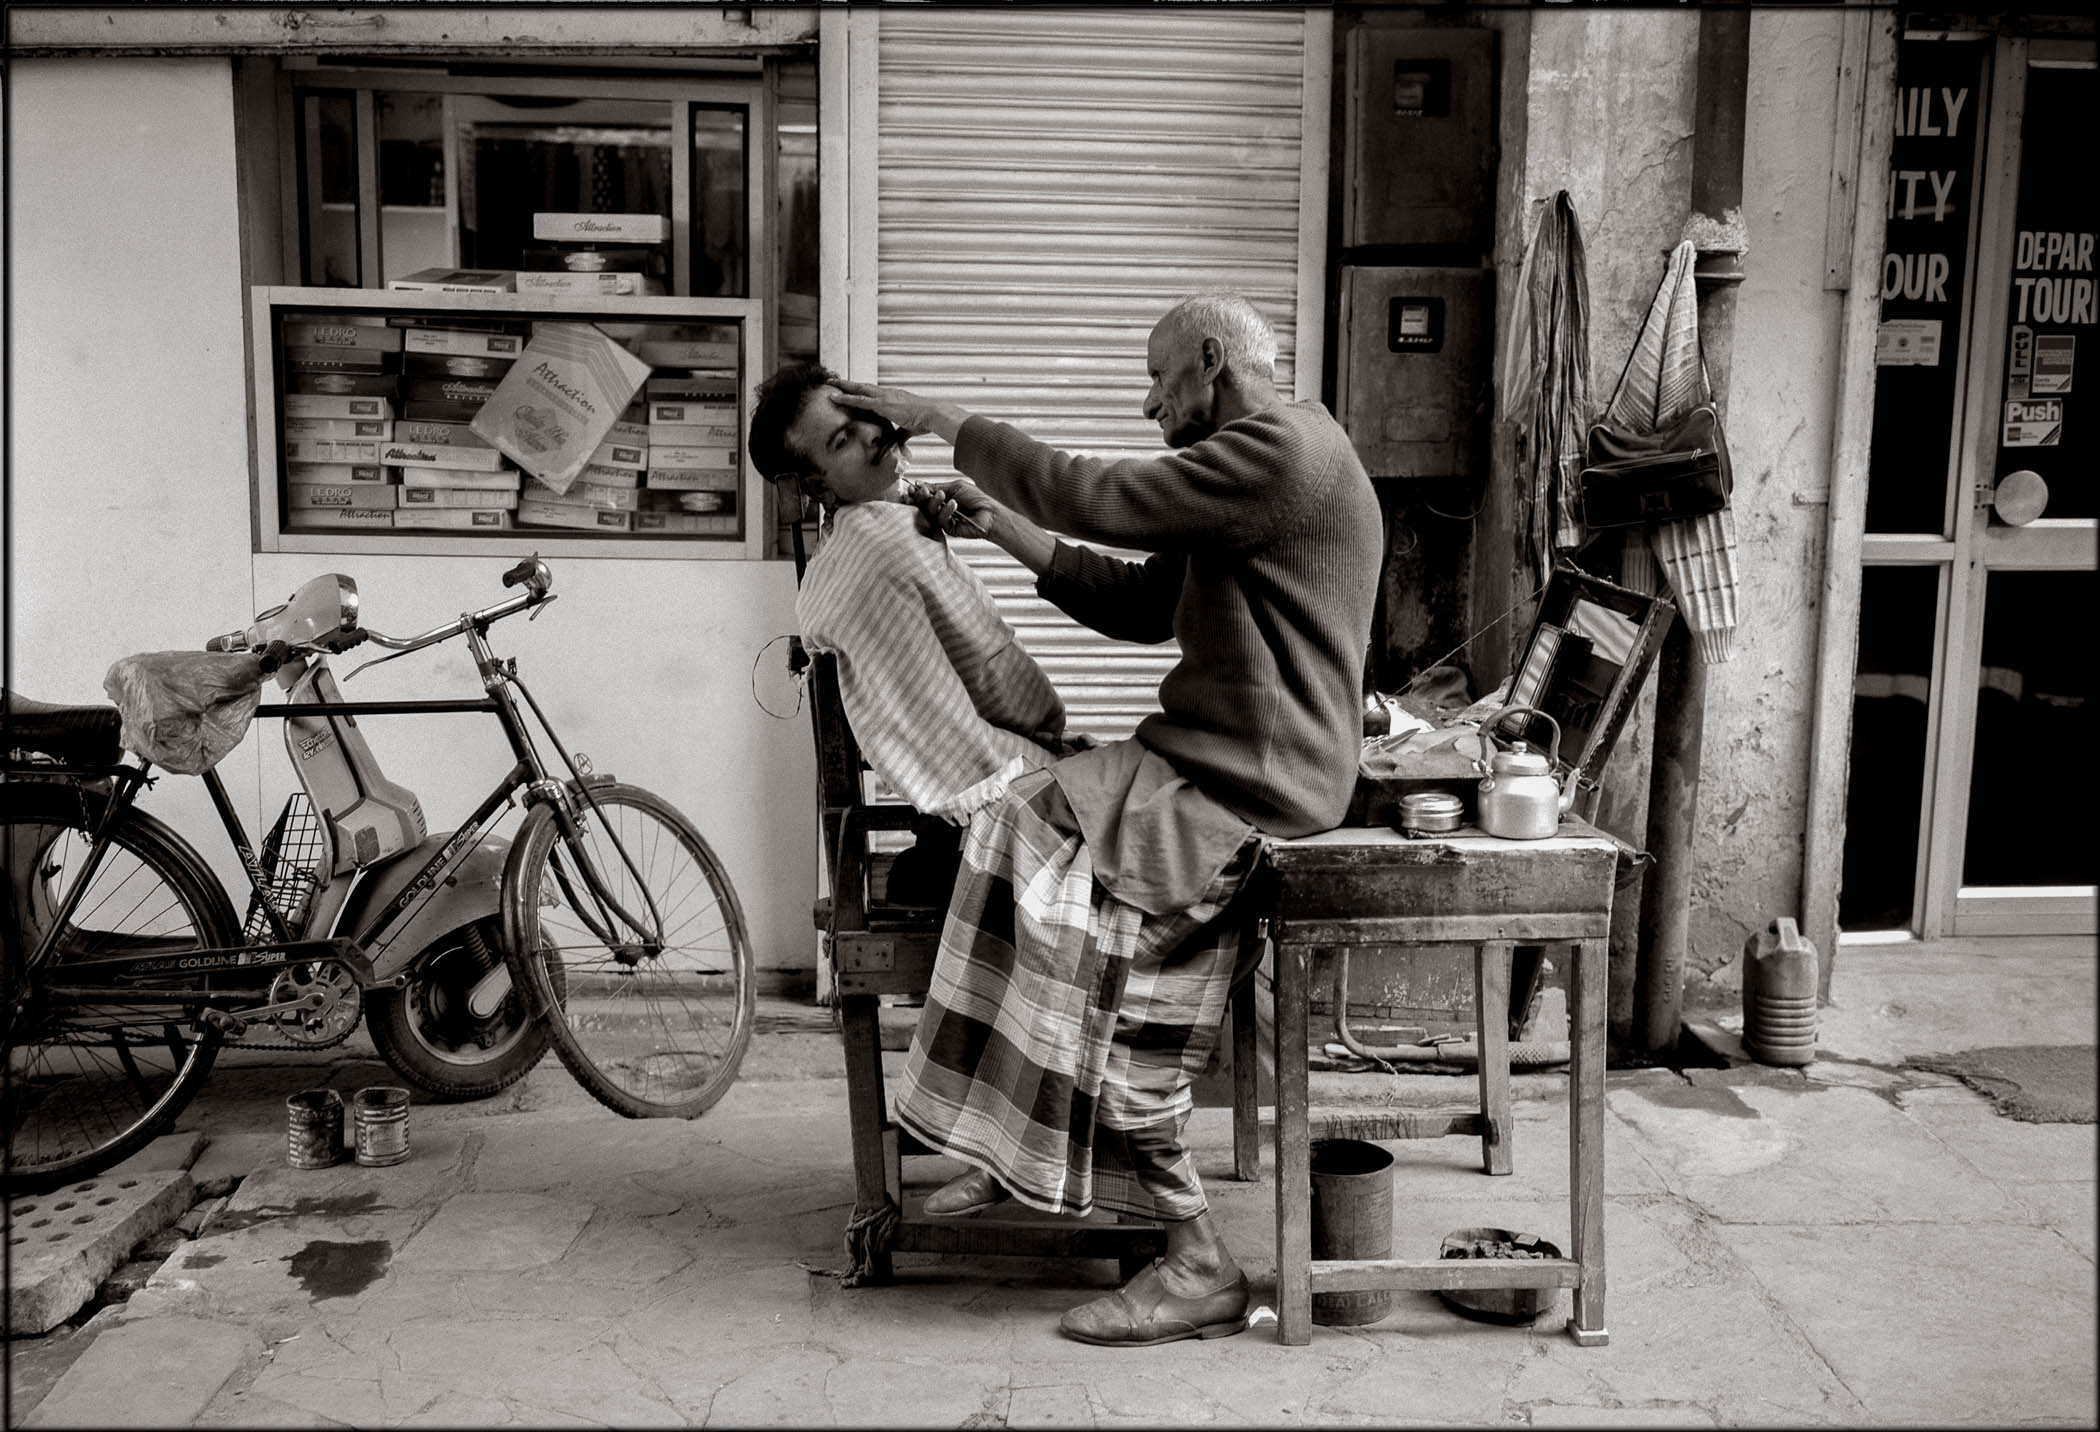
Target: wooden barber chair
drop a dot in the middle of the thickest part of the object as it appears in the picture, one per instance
(880, 948)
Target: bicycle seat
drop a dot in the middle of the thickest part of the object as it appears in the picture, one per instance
(83, 734)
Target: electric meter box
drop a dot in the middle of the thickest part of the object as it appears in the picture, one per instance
(1413, 390)
(1419, 159)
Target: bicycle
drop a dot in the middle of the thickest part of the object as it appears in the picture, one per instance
(124, 969)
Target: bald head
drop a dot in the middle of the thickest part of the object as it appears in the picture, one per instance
(1244, 338)
(1213, 361)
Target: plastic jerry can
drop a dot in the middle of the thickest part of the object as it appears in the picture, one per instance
(1779, 995)
(368, 817)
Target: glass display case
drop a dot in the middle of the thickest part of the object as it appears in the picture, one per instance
(399, 421)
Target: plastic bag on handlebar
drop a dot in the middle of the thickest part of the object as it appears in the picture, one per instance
(184, 710)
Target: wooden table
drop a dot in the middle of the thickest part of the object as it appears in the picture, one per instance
(1463, 892)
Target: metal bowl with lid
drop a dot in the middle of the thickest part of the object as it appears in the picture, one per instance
(1429, 813)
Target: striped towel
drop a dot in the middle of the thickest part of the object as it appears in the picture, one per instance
(1665, 378)
(1063, 1029)
(945, 704)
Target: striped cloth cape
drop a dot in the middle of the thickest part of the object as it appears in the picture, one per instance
(943, 700)
(1063, 1028)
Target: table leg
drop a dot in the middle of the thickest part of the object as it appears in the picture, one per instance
(1587, 988)
(1293, 1150)
(1491, 964)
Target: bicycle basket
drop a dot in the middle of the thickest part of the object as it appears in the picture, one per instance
(293, 856)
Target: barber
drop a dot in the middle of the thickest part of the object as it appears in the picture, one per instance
(1092, 940)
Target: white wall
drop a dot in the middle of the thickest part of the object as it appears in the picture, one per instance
(1609, 119)
(129, 484)
(1753, 797)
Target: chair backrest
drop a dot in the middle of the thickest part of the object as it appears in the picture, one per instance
(839, 762)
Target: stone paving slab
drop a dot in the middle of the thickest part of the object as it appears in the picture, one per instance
(1938, 1323)
(433, 1168)
(64, 1243)
(496, 1232)
(281, 1266)
(1778, 1155)
(178, 1150)
(233, 1156)
(2007, 1151)
(157, 1373)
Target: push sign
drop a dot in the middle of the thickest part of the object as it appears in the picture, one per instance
(1414, 325)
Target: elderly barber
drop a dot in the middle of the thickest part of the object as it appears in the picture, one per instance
(1090, 944)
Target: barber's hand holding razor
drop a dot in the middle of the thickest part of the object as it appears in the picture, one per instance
(963, 508)
(908, 410)
(959, 507)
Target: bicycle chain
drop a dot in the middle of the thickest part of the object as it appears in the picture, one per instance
(248, 1041)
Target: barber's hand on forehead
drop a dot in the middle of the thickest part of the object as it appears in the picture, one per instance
(908, 410)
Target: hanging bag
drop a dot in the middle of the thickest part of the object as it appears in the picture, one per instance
(1630, 477)
(1635, 472)
(1663, 407)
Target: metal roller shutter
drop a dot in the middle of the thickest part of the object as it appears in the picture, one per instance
(1049, 182)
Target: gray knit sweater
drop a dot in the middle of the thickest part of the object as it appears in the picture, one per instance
(1283, 539)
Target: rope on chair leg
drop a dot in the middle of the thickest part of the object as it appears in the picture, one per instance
(869, 1235)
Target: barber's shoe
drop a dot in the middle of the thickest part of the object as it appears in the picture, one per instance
(973, 1192)
(1143, 1312)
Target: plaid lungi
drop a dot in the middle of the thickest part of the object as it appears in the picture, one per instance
(1063, 1027)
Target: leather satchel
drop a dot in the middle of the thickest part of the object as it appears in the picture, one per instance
(1630, 477)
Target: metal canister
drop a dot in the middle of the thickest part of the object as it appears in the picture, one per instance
(1779, 995)
(1430, 813)
(313, 1128)
(380, 1113)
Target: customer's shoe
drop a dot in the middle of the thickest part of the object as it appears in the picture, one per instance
(973, 1192)
(1143, 1312)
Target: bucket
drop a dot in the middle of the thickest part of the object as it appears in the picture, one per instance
(313, 1128)
(381, 1116)
(1779, 995)
(1352, 1217)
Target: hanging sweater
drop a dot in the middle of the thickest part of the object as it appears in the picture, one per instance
(943, 700)
(1281, 537)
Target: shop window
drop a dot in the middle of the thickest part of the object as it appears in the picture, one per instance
(676, 203)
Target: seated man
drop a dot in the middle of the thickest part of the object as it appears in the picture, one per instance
(1092, 939)
(945, 703)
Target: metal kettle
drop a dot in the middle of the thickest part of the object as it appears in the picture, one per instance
(1520, 799)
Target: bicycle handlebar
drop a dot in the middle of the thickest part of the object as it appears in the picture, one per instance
(509, 606)
(532, 573)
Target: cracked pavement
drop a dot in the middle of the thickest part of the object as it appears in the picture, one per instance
(1853, 1242)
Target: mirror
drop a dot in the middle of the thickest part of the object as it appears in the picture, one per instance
(1589, 650)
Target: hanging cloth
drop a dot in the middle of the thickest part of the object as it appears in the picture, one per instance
(1546, 380)
(1665, 378)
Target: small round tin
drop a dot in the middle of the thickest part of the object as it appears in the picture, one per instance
(1430, 812)
(380, 1114)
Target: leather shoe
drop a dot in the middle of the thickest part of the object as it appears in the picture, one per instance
(1144, 1312)
(973, 1192)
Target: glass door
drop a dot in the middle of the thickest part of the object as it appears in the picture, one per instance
(1973, 745)
(2019, 753)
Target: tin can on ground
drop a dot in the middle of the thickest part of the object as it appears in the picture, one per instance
(380, 1113)
(1352, 1218)
(313, 1128)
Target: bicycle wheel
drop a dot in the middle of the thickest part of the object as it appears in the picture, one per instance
(89, 1083)
(653, 1024)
